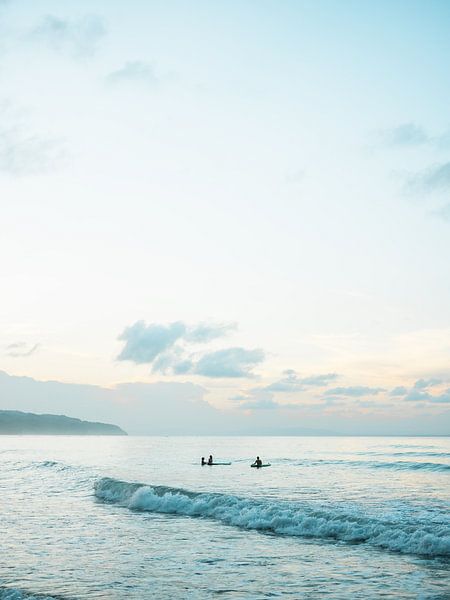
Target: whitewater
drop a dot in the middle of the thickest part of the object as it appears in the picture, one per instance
(139, 517)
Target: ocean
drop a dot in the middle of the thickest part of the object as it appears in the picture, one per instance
(138, 517)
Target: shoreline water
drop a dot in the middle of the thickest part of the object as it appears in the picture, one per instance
(352, 517)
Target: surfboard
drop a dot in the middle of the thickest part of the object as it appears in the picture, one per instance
(261, 466)
(216, 464)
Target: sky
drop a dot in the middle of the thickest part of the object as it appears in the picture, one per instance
(239, 210)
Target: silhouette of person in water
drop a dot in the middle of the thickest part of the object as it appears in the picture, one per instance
(203, 461)
(258, 462)
(210, 460)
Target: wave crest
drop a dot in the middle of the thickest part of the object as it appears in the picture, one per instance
(282, 517)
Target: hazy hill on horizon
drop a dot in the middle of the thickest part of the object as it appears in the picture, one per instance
(14, 422)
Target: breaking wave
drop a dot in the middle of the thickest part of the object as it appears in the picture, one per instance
(349, 524)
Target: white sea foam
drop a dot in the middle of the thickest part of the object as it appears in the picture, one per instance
(350, 524)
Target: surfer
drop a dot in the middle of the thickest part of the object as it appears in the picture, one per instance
(210, 460)
(257, 463)
(203, 461)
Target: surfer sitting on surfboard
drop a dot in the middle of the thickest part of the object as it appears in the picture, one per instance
(210, 460)
(257, 463)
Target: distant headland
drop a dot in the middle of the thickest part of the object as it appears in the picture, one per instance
(14, 422)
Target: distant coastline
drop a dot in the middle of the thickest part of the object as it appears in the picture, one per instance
(14, 422)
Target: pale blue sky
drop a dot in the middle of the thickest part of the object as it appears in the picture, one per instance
(274, 176)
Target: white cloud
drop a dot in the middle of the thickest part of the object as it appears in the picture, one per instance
(417, 395)
(412, 135)
(406, 134)
(77, 37)
(399, 391)
(143, 343)
(21, 349)
(441, 398)
(165, 348)
(229, 362)
(355, 391)
(257, 399)
(22, 150)
(443, 212)
(433, 179)
(136, 71)
(423, 384)
(205, 332)
(420, 394)
(291, 382)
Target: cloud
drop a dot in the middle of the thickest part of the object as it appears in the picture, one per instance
(410, 134)
(373, 404)
(442, 398)
(354, 391)
(406, 134)
(135, 72)
(293, 383)
(77, 37)
(422, 384)
(416, 395)
(27, 154)
(143, 343)
(23, 151)
(258, 400)
(164, 348)
(399, 391)
(443, 141)
(21, 349)
(434, 179)
(421, 396)
(419, 392)
(261, 399)
(206, 332)
(319, 380)
(229, 362)
(443, 212)
(183, 367)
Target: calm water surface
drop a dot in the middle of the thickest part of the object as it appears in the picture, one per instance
(138, 517)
